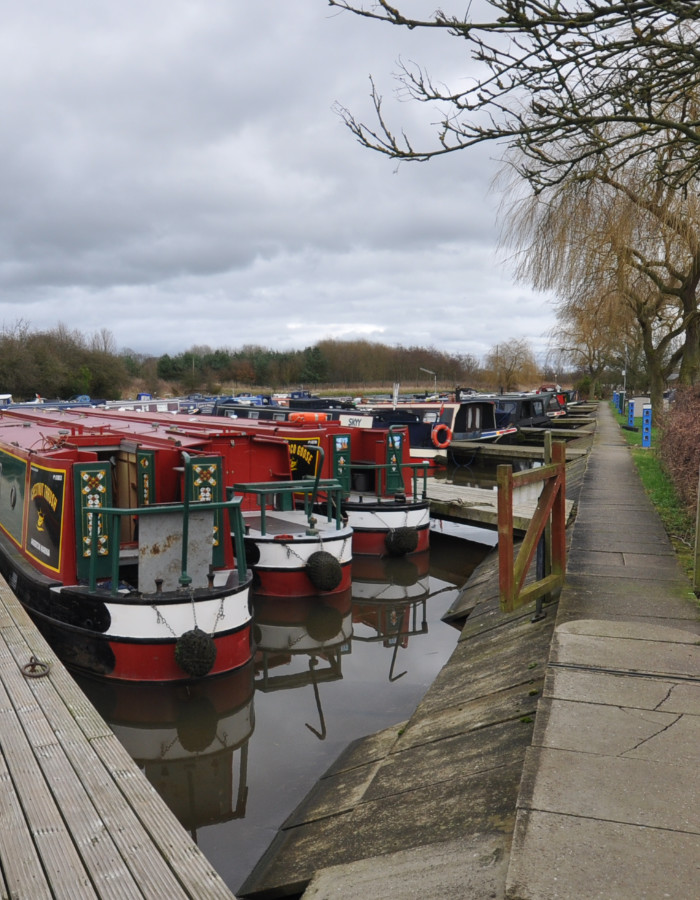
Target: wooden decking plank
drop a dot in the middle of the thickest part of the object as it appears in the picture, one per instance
(478, 505)
(125, 819)
(74, 807)
(42, 818)
(113, 821)
(194, 870)
(132, 844)
(154, 873)
(109, 870)
(23, 873)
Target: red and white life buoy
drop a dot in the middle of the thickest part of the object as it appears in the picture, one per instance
(439, 442)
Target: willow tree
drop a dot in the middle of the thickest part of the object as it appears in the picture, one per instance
(630, 238)
(546, 79)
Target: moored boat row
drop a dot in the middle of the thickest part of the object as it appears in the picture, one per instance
(134, 539)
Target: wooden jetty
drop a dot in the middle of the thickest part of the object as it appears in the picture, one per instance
(477, 506)
(78, 819)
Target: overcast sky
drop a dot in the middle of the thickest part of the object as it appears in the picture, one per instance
(173, 172)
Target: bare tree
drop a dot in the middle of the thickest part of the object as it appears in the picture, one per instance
(590, 337)
(552, 77)
(511, 364)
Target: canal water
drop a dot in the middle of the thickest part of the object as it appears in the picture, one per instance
(233, 758)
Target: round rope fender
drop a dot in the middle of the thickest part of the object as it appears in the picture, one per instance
(195, 653)
(435, 435)
(401, 541)
(324, 570)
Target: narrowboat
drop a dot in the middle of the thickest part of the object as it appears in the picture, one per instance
(292, 545)
(522, 410)
(296, 540)
(114, 536)
(383, 496)
(434, 425)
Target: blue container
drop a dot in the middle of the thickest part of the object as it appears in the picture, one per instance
(646, 426)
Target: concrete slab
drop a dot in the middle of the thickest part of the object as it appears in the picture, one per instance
(667, 737)
(557, 857)
(625, 655)
(461, 756)
(611, 789)
(631, 691)
(664, 569)
(613, 542)
(482, 804)
(492, 709)
(625, 595)
(455, 870)
(639, 631)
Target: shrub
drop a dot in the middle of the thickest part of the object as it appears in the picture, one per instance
(679, 448)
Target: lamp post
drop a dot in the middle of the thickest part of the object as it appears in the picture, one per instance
(429, 372)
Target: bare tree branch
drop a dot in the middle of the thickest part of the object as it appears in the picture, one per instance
(561, 83)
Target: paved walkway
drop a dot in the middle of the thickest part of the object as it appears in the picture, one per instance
(609, 803)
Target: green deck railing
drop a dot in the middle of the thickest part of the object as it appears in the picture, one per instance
(115, 514)
(267, 491)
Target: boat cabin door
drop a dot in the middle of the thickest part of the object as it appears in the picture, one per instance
(134, 484)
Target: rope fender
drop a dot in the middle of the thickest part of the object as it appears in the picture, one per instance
(195, 652)
(324, 570)
(401, 541)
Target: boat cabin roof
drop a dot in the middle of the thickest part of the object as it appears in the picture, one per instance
(48, 432)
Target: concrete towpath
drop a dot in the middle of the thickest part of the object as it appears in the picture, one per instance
(609, 802)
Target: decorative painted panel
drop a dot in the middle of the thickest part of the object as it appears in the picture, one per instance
(45, 515)
(93, 490)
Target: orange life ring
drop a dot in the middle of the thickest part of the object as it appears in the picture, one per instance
(301, 418)
(434, 436)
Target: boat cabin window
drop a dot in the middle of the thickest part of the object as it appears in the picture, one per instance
(468, 418)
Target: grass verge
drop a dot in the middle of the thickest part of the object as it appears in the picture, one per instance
(679, 526)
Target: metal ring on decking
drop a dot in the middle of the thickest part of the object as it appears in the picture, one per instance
(35, 668)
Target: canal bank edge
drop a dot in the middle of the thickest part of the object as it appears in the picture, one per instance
(432, 801)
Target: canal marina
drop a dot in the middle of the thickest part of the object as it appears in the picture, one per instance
(482, 716)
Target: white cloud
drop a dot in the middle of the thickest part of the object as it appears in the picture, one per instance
(174, 173)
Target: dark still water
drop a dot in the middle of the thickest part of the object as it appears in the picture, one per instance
(233, 757)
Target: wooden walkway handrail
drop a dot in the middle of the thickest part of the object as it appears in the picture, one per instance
(549, 520)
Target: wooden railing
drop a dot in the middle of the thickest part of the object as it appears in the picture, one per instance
(548, 525)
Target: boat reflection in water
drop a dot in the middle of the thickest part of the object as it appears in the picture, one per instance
(319, 670)
(300, 642)
(389, 598)
(191, 741)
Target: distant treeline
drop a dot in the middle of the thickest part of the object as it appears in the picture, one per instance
(342, 363)
(60, 364)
